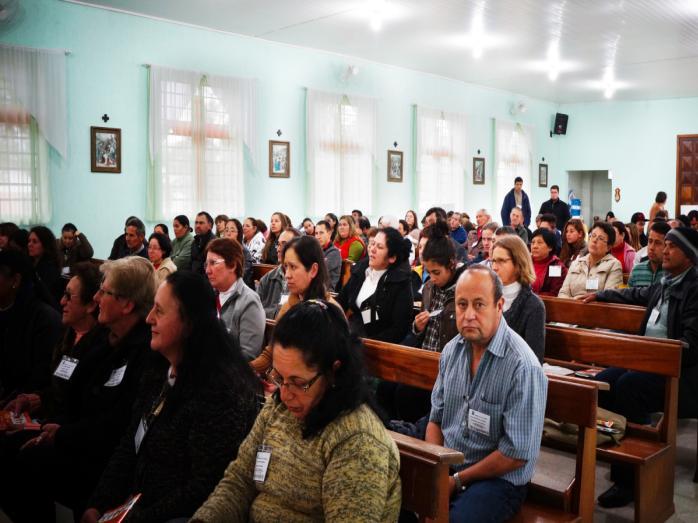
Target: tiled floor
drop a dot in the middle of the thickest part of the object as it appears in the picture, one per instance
(685, 494)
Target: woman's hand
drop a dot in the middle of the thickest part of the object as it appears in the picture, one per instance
(24, 403)
(420, 321)
(45, 439)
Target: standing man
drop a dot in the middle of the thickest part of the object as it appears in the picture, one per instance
(488, 402)
(649, 270)
(672, 312)
(556, 206)
(202, 228)
(516, 198)
(516, 222)
(333, 258)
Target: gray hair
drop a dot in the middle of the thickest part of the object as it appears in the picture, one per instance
(132, 278)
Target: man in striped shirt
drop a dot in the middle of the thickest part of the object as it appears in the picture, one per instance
(488, 402)
(649, 271)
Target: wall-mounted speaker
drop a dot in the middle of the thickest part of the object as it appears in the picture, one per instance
(560, 124)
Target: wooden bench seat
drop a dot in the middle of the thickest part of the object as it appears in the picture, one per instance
(260, 269)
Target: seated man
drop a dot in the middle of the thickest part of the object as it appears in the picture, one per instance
(649, 270)
(487, 241)
(456, 229)
(488, 402)
(672, 312)
(474, 241)
(272, 288)
(517, 218)
(132, 242)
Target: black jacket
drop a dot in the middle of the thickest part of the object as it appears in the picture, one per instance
(120, 250)
(526, 317)
(682, 325)
(29, 331)
(198, 249)
(391, 305)
(559, 209)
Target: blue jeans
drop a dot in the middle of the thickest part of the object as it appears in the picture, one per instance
(489, 500)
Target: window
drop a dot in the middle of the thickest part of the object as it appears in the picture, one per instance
(341, 152)
(198, 135)
(514, 151)
(440, 147)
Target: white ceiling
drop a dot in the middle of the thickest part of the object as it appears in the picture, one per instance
(651, 46)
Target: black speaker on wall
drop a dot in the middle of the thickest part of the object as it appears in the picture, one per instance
(560, 123)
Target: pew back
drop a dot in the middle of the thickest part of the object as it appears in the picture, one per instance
(624, 318)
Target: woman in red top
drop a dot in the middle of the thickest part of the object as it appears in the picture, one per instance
(350, 246)
(621, 250)
(550, 271)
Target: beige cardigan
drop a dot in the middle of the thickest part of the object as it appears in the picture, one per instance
(166, 268)
(607, 271)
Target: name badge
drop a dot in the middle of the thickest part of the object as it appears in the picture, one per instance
(593, 284)
(554, 271)
(435, 313)
(116, 376)
(654, 316)
(366, 316)
(262, 463)
(140, 434)
(283, 299)
(479, 422)
(65, 271)
(65, 368)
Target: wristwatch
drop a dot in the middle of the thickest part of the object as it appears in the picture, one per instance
(459, 486)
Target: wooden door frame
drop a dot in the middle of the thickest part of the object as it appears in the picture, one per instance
(677, 206)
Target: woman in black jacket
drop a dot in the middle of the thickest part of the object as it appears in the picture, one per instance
(44, 253)
(187, 423)
(379, 293)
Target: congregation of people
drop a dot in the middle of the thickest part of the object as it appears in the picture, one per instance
(153, 372)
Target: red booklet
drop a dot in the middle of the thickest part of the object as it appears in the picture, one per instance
(118, 514)
(591, 372)
(8, 421)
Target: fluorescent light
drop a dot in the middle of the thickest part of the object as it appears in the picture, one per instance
(554, 60)
(377, 12)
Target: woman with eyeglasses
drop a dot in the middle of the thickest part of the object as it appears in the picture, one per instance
(188, 421)
(159, 250)
(597, 270)
(306, 278)
(318, 451)
(524, 312)
(239, 307)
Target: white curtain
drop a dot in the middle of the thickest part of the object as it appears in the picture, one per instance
(36, 79)
(513, 156)
(198, 128)
(441, 159)
(341, 138)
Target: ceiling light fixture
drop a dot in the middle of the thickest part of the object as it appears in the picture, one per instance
(477, 31)
(377, 10)
(554, 60)
(609, 83)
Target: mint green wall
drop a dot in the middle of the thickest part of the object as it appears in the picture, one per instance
(636, 141)
(105, 75)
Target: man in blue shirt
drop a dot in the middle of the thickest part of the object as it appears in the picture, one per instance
(457, 231)
(488, 402)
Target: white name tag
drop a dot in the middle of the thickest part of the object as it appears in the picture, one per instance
(262, 463)
(140, 434)
(65, 368)
(479, 422)
(116, 376)
(654, 316)
(65, 271)
(366, 316)
(435, 313)
(554, 271)
(283, 299)
(593, 284)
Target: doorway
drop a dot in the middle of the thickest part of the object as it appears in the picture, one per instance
(595, 191)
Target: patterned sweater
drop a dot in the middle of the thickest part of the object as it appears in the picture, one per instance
(349, 472)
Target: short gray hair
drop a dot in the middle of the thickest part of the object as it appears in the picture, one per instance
(132, 278)
(496, 282)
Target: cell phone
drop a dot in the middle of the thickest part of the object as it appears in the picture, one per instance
(607, 430)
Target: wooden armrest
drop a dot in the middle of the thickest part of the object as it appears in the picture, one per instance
(430, 451)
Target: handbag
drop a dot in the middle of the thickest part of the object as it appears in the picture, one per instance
(610, 427)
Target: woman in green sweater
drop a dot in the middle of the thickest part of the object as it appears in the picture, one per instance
(317, 451)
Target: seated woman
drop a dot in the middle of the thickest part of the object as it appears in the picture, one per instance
(162, 229)
(622, 250)
(351, 246)
(189, 421)
(238, 306)
(181, 245)
(331, 218)
(573, 243)
(159, 250)
(308, 227)
(306, 279)
(254, 238)
(597, 270)
(277, 225)
(550, 271)
(233, 231)
(73, 247)
(272, 288)
(43, 252)
(379, 292)
(220, 222)
(331, 459)
(523, 310)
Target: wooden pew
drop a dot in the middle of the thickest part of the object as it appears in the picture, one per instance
(423, 467)
(260, 269)
(625, 318)
(649, 450)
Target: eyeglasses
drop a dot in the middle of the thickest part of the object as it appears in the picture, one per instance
(113, 294)
(500, 261)
(295, 385)
(211, 263)
(69, 296)
(596, 237)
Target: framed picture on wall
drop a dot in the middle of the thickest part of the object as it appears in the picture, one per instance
(478, 171)
(105, 147)
(394, 166)
(279, 159)
(542, 175)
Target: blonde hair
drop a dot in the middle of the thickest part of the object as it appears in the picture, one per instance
(352, 226)
(520, 257)
(132, 278)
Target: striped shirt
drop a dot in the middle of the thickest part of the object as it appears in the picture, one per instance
(501, 408)
(642, 275)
